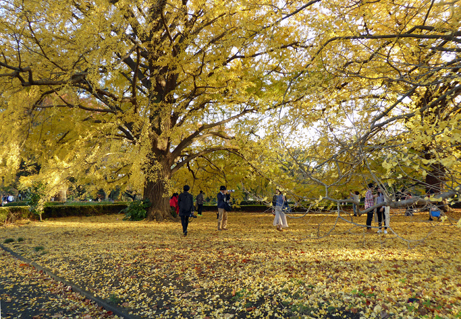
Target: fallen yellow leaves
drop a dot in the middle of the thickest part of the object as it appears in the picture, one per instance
(252, 270)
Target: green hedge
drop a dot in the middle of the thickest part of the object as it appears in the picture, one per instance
(82, 210)
(241, 208)
(11, 214)
(19, 203)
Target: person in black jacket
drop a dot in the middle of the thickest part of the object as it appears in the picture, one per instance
(185, 203)
(223, 200)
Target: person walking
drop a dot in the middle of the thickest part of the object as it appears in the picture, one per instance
(223, 198)
(186, 204)
(383, 211)
(355, 197)
(280, 220)
(200, 203)
(369, 202)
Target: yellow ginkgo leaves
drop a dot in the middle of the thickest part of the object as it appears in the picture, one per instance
(253, 270)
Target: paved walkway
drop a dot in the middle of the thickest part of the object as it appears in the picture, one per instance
(26, 292)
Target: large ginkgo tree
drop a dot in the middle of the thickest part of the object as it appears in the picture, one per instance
(315, 96)
(128, 92)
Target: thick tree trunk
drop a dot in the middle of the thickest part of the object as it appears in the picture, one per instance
(435, 180)
(156, 192)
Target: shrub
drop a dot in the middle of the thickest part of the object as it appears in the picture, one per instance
(250, 202)
(82, 210)
(173, 212)
(8, 240)
(11, 214)
(35, 199)
(20, 239)
(38, 248)
(3, 214)
(18, 203)
(238, 208)
(137, 210)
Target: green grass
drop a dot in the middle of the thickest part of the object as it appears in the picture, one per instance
(113, 298)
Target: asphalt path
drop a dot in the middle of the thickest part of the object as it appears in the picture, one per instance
(26, 292)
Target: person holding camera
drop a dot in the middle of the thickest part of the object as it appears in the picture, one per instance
(186, 204)
(223, 206)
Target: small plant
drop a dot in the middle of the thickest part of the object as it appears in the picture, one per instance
(297, 295)
(114, 299)
(20, 239)
(173, 212)
(35, 199)
(301, 309)
(239, 295)
(248, 304)
(137, 210)
(331, 309)
(38, 248)
(358, 292)
(8, 240)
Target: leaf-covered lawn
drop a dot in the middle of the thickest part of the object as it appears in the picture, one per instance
(251, 270)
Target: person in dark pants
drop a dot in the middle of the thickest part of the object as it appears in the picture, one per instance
(185, 203)
(200, 203)
(369, 202)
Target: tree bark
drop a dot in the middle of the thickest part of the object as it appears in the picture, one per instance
(156, 192)
(435, 179)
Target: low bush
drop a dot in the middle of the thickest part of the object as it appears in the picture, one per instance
(137, 210)
(19, 203)
(238, 208)
(85, 210)
(13, 213)
(250, 202)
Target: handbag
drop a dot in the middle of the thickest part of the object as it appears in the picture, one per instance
(227, 207)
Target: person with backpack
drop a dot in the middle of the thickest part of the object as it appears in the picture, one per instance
(185, 204)
(280, 220)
